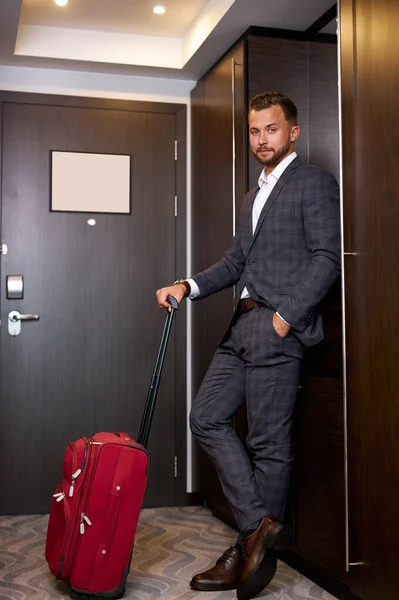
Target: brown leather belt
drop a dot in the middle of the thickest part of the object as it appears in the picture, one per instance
(246, 304)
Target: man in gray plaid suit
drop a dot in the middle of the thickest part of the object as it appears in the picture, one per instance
(283, 260)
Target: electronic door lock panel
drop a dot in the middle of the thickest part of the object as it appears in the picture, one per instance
(15, 287)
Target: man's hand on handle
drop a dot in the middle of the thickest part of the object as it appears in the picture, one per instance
(179, 291)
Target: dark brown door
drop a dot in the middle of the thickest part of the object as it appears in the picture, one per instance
(86, 364)
(370, 92)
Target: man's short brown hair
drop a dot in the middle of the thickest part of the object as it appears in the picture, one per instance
(268, 99)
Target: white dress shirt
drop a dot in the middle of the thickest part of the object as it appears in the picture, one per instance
(266, 184)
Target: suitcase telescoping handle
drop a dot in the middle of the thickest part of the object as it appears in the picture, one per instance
(146, 420)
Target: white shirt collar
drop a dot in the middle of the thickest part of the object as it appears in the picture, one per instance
(277, 172)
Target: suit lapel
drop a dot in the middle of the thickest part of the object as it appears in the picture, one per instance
(248, 236)
(289, 171)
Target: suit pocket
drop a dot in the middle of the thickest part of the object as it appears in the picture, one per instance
(274, 329)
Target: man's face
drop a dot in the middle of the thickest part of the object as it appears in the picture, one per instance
(271, 137)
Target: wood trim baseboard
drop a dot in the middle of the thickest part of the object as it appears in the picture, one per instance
(194, 499)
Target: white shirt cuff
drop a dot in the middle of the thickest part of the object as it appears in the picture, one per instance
(278, 314)
(195, 291)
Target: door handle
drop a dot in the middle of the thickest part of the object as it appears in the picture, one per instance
(14, 321)
(16, 316)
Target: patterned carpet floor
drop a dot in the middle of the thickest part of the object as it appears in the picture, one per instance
(172, 544)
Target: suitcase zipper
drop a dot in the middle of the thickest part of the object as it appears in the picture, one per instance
(84, 519)
(76, 472)
(79, 523)
(73, 525)
(74, 478)
(60, 496)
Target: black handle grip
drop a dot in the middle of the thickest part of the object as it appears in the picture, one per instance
(148, 413)
(173, 302)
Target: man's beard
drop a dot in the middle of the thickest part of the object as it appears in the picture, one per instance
(275, 158)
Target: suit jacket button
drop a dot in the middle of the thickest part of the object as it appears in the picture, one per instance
(249, 261)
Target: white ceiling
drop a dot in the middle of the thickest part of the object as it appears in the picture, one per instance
(119, 16)
(126, 37)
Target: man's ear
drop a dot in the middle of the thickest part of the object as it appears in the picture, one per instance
(295, 131)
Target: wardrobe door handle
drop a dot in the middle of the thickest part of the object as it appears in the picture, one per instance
(233, 115)
(348, 563)
(345, 399)
(234, 64)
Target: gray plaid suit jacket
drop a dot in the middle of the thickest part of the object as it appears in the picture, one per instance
(294, 256)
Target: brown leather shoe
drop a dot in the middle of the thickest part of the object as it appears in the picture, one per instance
(260, 556)
(223, 576)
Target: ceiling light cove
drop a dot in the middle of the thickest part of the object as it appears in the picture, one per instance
(61, 2)
(159, 10)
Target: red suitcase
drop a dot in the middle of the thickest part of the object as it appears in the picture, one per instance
(96, 508)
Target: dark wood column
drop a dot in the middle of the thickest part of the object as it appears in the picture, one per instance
(212, 217)
(370, 94)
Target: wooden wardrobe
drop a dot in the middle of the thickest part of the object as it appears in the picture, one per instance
(345, 491)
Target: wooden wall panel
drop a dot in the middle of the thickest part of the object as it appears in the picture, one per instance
(319, 480)
(323, 106)
(371, 218)
(318, 497)
(306, 71)
(212, 215)
(279, 65)
(198, 214)
(212, 218)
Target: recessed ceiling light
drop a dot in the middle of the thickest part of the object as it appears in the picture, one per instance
(61, 2)
(159, 10)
